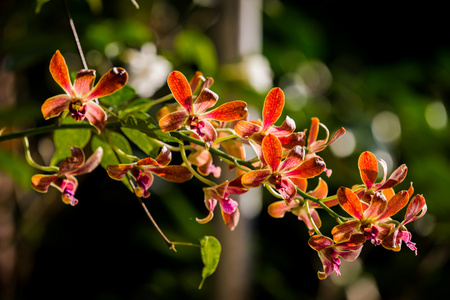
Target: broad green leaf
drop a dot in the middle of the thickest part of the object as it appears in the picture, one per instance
(210, 251)
(66, 138)
(150, 129)
(138, 105)
(120, 97)
(143, 141)
(110, 157)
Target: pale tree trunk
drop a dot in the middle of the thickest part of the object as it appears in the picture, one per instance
(239, 33)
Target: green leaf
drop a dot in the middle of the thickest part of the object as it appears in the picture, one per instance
(138, 105)
(150, 129)
(109, 155)
(210, 251)
(66, 138)
(143, 141)
(120, 97)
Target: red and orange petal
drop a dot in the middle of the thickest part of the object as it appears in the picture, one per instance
(395, 204)
(416, 205)
(350, 202)
(294, 158)
(96, 115)
(111, 82)
(204, 100)
(255, 178)
(91, 163)
(272, 151)
(176, 174)
(230, 111)
(84, 82)
(246, 129)
(231, 220)
(279, 208)
(273, 107)
(173, 121)
(72, 162)
(117, 172)
(343, 232)
(60, 73)
(54, 106)
(368, 168)
(41, 182)
(308, 169)
(285, 129)
(181, 90)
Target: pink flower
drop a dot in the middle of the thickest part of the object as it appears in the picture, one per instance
(229, 207)
(65, 180)
(143, 169)
(79, 97)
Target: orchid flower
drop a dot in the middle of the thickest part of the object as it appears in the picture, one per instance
(329, 253)
(297, 207)
(79, 97)
(143, 169)
(400, 234)
(369, 221)
(194, 115)
(315, 145)
(255, 131)
(65, 180)
(278, 173)
(368, 169)
(229, 207)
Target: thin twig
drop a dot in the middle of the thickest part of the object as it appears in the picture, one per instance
(75, 35)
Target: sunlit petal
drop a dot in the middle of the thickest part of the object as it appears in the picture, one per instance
(181, 90)
(396, 177)
(285, 129)
(368, 167)
(279, 208)
(96, 115)
(54, 106)
(111, 82)
(164, 157)
(272, 151)
(205, 100)
(254, 179)
(60, 72)
(173, 121)
(350, 202)
(395, 204)
(308, 169)
(416, 205)
(273, 107)
(246, 129)
(230, 111)
(294, 158)
(173, 173)
(84, 82)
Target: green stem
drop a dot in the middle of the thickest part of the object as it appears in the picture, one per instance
(191, 169)
(186, 244)
(51, 128)
(316, 229)
(213, 150)
(31, 161)
(318, 201)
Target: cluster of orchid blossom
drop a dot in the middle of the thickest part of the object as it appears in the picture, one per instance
(284, 161)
